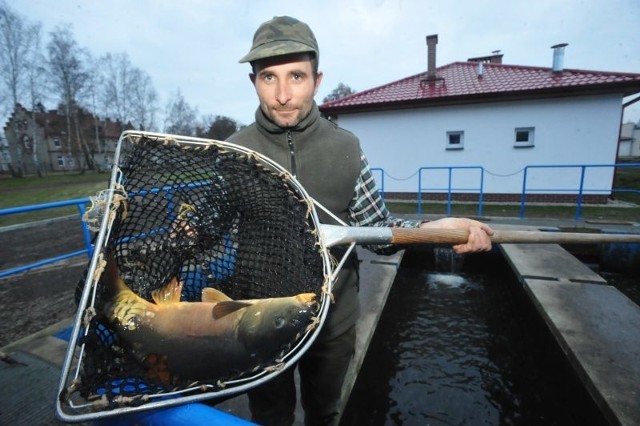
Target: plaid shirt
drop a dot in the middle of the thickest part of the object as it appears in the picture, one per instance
(367, 207)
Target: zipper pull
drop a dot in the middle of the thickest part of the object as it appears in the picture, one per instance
(292, 153)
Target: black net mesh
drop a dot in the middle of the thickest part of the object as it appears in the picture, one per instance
(212, 217)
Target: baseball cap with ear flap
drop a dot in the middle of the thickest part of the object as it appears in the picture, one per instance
(282, 35)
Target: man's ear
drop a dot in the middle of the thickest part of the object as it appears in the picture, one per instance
(318, 81)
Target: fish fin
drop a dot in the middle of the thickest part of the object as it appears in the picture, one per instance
(111, 276)
(170, 293)
(225, 308)
(210, 294)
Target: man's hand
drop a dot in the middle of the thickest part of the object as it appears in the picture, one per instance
(479, 233)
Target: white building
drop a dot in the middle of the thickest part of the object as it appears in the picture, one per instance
(500, 118)
(629, 141)
(37, 142)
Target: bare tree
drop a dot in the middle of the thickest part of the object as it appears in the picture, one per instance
(93, 90)
(127, 92)
(69, 76)
(36, 76)
(144, 102)
(118, 75)
(17, 40)
(180, 117)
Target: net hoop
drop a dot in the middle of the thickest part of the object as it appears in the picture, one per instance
(73, 408)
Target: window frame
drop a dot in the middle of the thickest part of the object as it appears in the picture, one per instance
(455, 146)
(530, 142)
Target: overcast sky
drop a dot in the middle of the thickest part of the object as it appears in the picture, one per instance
(194, 45)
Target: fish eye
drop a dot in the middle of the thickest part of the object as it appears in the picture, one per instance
(278, 322)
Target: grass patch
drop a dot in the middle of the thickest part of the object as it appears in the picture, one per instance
(19, 192)
(627, 179)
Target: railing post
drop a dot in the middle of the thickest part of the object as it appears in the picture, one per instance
(523, 198)
(449, 193)
(481, 191)
(580, 190)
(85, 231)
(420, 191)
(381, 182)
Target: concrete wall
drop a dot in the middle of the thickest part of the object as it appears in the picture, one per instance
(577, 130)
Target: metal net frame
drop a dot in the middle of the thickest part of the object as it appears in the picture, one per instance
(213, 214)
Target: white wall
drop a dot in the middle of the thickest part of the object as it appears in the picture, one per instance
(635, 147)
(630, 146)
(582, 130)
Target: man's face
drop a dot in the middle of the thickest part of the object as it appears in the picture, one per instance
(286, 88)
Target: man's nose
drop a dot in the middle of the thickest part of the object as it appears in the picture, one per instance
(283, 93)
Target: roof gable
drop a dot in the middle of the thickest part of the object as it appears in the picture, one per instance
(466, 81)
(54, 123)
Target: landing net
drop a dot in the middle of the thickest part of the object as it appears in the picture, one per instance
(211, 214)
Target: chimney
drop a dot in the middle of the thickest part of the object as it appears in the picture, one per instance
(432, 41)
(480, 69)
(558, 57)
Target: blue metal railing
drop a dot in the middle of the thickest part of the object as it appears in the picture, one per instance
(449, 188)
(579, 192)
(81, 203)
(88, 250)
(378, 171)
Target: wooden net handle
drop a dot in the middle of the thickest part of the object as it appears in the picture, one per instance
(460, 236)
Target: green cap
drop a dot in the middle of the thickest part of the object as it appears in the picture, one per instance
(282, 35)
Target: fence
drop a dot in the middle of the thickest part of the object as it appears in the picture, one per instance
(580, 191)
(450, 189)
(88, 250)
(378, 173)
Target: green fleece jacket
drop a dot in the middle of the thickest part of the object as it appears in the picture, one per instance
(325, 159)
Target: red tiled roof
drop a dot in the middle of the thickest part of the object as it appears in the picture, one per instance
(459, 81)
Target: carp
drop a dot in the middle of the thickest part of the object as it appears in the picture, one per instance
(217, 338)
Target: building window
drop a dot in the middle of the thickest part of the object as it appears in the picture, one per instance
(455, 140)
(524, 137)
(56, 142)
(60, 160)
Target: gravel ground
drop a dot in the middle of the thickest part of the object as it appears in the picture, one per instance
(36, 299)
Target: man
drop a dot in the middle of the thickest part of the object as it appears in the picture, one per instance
(330, 165)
